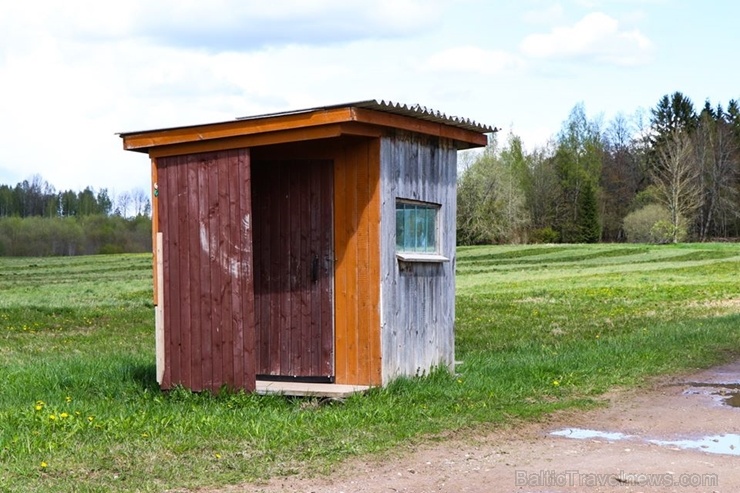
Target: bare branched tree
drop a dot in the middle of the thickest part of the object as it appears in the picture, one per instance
(676, 179)
(140, 201)
(718, 155)
(123, 203)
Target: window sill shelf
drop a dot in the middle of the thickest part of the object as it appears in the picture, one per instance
(421, 257)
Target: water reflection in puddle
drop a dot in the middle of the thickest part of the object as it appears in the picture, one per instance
(581, 434)
(727, 444)
(733, 400)
(716, 444)
(728, 393)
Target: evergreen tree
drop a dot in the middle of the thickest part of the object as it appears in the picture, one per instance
(105, 204)
(87, 204)
(674, 112)
(589, 228)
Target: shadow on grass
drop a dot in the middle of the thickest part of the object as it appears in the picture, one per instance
(146, 376)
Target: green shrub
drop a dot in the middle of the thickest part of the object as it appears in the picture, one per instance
(545, 235)
(651, 224)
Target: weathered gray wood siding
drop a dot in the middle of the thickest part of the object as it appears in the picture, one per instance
(417, 299)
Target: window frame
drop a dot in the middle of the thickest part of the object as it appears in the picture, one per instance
(431, 255)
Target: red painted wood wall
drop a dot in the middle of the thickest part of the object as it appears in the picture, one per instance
(204, 214)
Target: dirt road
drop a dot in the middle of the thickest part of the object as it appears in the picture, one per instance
(679, 435)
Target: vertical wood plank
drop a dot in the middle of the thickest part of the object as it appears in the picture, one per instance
(262, 261)
(312, 303)
(236, 225)
(297, 267)
(155, 231)
(363, 272)
(372, 293)
(276, 283)
(215, 295)
(246, 296)
(351, 263)
(185, 261)
(341, 266)
(205, 266)
(388, 277)
(159, 325)
(326, 296)
(172, 271)
(228, 266)
(191, 297)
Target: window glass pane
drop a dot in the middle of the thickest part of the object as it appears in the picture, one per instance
(420, 224)
(408, 237)
(430, 230)
(400, 227)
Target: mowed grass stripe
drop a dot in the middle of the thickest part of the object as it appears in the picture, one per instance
(616, 258)
(547, 270)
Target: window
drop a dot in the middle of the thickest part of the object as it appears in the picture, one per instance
(417, 231)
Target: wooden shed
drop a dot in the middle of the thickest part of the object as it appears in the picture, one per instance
(309, 246)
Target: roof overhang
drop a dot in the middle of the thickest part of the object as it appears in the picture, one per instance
(365, 118)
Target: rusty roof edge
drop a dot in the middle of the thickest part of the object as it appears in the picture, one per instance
(425, 113)
(414, 111)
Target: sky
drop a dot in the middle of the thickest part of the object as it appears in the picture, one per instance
(74, 73)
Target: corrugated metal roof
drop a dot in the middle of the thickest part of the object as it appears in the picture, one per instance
(414, 111)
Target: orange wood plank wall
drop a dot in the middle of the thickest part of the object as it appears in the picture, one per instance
(357, 270)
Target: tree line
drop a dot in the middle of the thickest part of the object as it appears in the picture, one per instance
(670, 175)
(36, 220)
(37, 197)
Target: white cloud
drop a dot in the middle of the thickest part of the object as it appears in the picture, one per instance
(472, 59)
(240, 25)
(597, 37)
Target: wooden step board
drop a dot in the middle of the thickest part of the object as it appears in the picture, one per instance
(302, 389)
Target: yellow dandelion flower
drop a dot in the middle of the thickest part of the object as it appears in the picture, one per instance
(556, 383)
(90, 419)
(38, 407)
(52, 417)
(43, 465)
(217, 455)
(64, 415)
(68, 399)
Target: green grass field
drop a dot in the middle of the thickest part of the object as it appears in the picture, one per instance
(539, 328)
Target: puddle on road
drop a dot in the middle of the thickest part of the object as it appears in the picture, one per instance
(711, 385)
(582, 434)
(728, 444)
(733, 400)
(725, 387)
(728, 393)
(716, 444)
